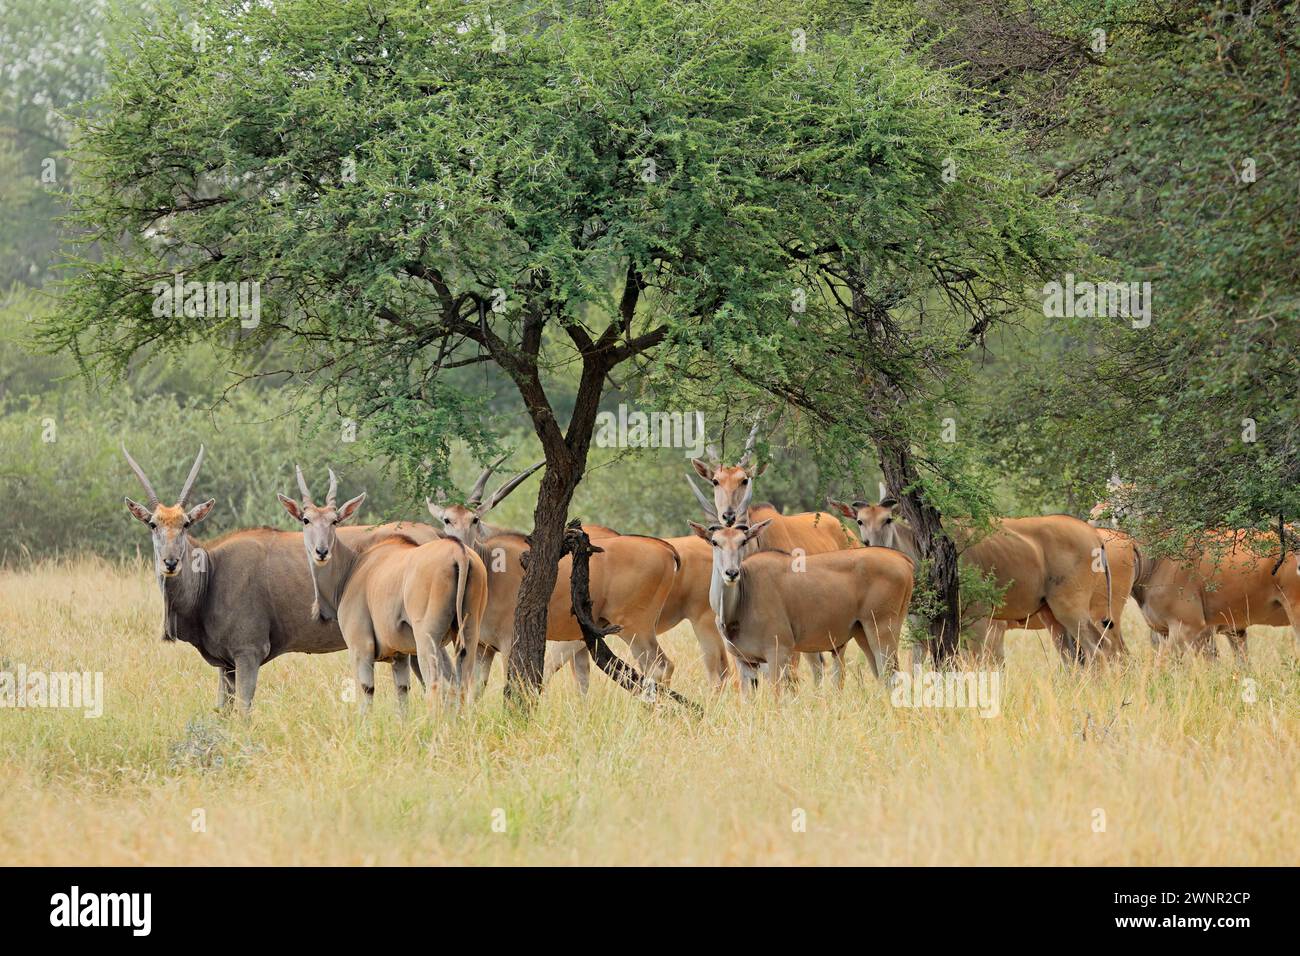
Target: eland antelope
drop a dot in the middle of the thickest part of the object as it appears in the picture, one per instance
(630, 580)
(1233, 583)
(772, 604)
(732, 505)
(242, 599)
(1049, 569)
(1228, 587)
(394, 598)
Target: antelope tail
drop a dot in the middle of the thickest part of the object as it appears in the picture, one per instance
(1110, 598)
(462, 572)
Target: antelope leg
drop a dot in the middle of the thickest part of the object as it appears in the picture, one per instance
(225, 688)
(402, 680)
(246, 681)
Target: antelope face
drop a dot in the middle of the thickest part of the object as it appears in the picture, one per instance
(169, 525)
(465, 522)
(876, 523)
(728, 547)
(320, 524)
(459, 522)
(733, 488)
(169, 528)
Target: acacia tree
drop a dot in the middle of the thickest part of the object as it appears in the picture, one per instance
(1175, 138)
(436, 185)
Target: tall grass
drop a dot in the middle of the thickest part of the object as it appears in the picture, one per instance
(1178, 764)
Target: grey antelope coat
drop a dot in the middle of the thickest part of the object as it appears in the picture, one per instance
(244, 598)
(247, 601)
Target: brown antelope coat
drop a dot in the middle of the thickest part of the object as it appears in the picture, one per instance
(773, 604)
(813, 532)
(241, 600)
(394, 598)
(630, 581)
(1053, 570)
(1230, 587)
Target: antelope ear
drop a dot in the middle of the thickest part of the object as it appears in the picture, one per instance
(891, 503)
(756, 529)
(140, 511)
(350, 508)
(761, 468)
(199, 512)
(701, 531)
(703, 469)
(434, 508)
(841, 507)
(291, 506)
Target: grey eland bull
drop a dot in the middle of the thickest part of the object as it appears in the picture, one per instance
(241, 600)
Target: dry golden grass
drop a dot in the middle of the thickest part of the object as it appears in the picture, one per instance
(1185, 769)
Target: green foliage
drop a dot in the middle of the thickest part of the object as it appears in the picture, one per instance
(51, 62)
(384, 174)
(1187, 144)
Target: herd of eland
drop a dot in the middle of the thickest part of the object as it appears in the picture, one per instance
(759, 588)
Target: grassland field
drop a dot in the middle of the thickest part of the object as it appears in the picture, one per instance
(1189, 762)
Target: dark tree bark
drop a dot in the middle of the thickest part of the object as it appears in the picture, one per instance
(565, 451)
(897, 464)
(566, 461)
(936, 547)
(527, 656)
(619, 671)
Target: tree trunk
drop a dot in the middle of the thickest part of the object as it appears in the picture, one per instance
(894, 448)
(546, 544)
(933, 542)
(566, 462)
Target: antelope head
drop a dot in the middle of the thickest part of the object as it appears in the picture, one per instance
(465, 522)
(1116, 509)
(320, 522)
(733, 485)
(169, 524)
(877, 524)
(728, 547)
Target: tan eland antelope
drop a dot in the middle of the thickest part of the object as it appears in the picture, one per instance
(732, 504)
(1229, 587)
(629, 582)
(771, 604)
(394, 598)
(1047, 567)
(1186, 600)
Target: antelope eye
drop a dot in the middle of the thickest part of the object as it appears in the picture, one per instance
(889, 521)
(744, 481)
(304, 520)
(152, 526)
(715, 481)
(185, 525)
(446, 521)
(475, 521)
(859, 521)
